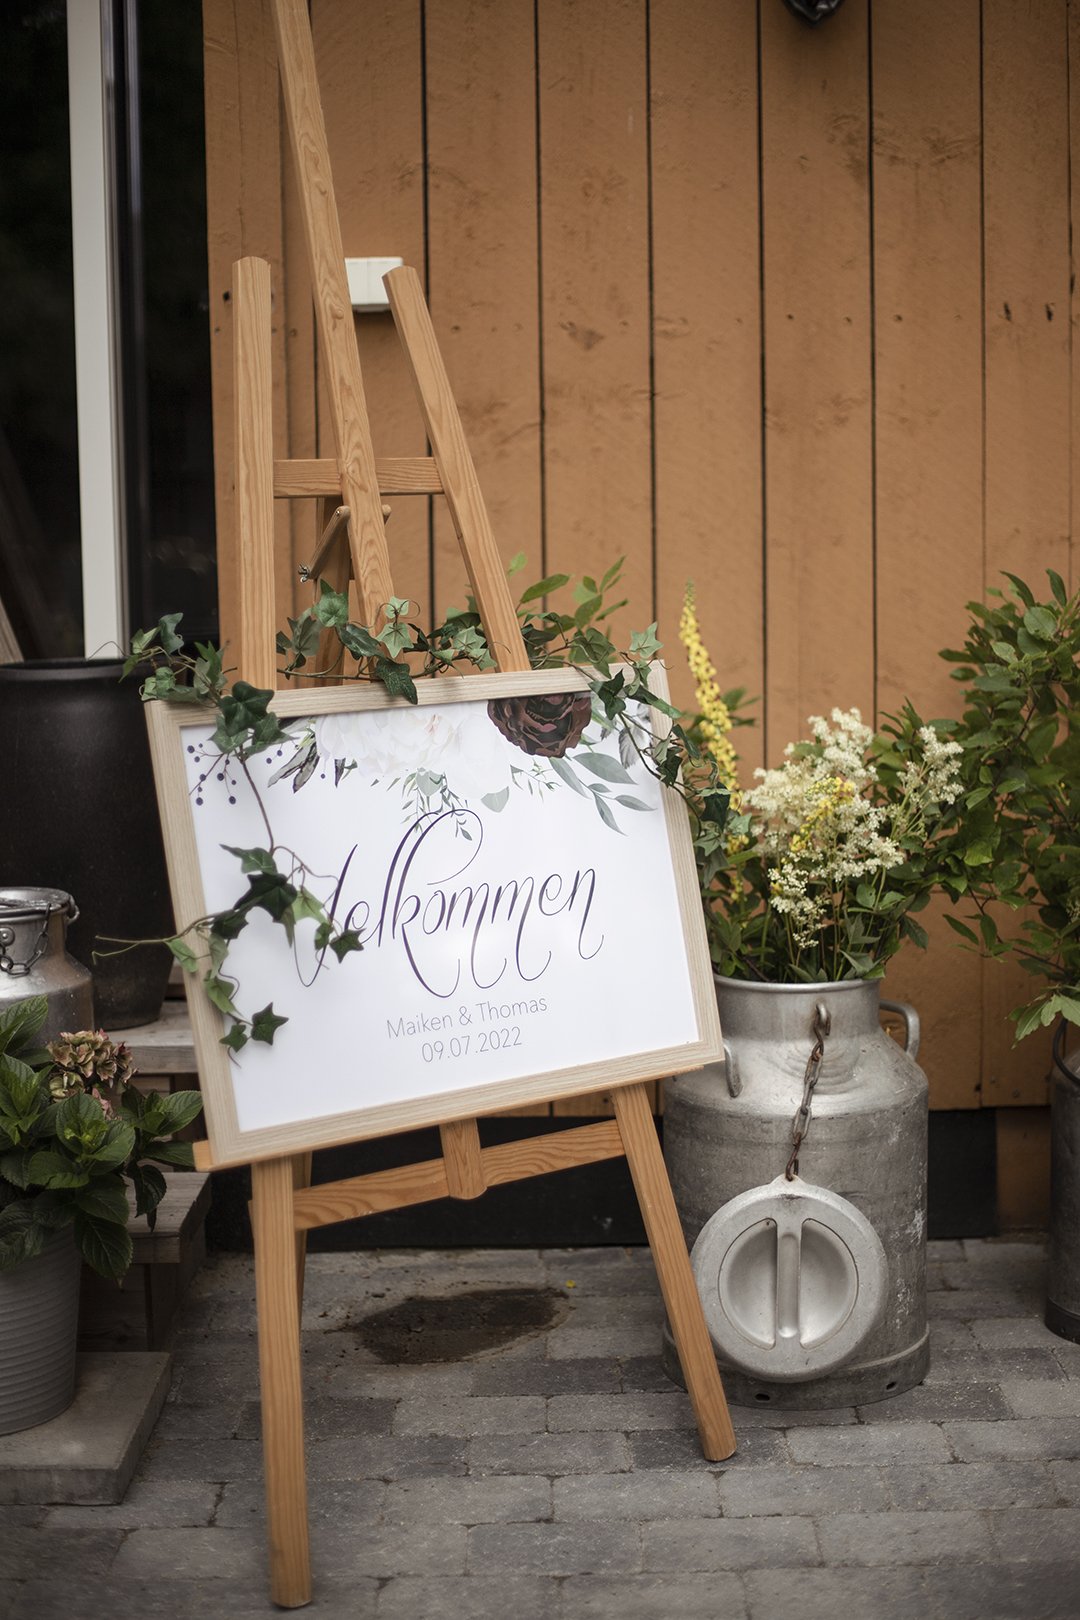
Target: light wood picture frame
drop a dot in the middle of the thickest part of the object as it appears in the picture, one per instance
(630, 910)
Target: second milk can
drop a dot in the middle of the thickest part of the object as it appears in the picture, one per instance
(34, 960)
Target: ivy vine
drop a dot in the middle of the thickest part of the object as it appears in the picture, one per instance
(278, 879)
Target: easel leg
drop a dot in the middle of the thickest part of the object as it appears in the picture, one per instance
(673, 1269)
(278, 1306)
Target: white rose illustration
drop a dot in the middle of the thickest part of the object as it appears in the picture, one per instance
(385, 743)
(478, 760)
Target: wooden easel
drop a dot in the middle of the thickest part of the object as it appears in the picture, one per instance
(284, 1204)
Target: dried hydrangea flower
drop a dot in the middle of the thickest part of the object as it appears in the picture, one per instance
(87, 1061)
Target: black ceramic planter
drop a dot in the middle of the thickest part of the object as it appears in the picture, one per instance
(79, 813)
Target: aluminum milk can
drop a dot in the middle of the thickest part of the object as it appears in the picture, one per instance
(34, 960)
(859, 1244)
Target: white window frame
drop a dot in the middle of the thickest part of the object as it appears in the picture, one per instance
(97, 375)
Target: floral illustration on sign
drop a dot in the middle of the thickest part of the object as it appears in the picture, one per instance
(436, 757)
(547, 726)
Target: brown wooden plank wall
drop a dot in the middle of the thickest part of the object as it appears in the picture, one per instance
(783, 310)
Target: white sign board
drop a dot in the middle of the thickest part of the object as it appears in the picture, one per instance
(522, 886)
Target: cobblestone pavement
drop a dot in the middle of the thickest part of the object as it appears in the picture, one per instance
(560, 1477)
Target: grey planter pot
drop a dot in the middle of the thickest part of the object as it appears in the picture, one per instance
(1063, 1266)
(39, 1313)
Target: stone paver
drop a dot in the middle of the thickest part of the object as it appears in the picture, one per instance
(894, 1538)
(596, 1452)
(636, 1496)
(783, 1489)
(474, 1414)
(995, 1591)
(193, 1554)
(1000, 1484)
(644, 1409)
(336, 1502)
(681, 1448)
(1048, 1438)
(497, 1498)
(1033, 1535)
(1042, 1398)
(1066, 1478)
(654, 1597)
(480, 1597)
(561, 1477)
(872, 1443)
(708, 1544)
(582, 1548)
(826, 1594)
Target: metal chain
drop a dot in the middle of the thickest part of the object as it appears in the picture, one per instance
(19, 970)
(821, 1026)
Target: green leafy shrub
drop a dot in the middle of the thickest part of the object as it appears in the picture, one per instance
(1019, 837)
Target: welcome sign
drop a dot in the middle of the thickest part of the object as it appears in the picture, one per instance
(521, 885)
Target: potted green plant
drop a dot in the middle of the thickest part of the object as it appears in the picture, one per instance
(1020, 671)
(73, 1134)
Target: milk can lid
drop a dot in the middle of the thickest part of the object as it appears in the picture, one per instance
(792, 1278)
(21, 904)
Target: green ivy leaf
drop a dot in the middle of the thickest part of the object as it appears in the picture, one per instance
(332, 607)
(166, 633)
(348, 940)
(265, 1024)
(183, 954)
(228, 925)
(220, 993)
(644, 646)
(360, 642)
(396, 678)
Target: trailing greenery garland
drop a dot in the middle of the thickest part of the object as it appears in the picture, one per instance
(279, 880)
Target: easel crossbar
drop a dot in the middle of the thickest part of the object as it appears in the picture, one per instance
(408, 1184)
(395, 475)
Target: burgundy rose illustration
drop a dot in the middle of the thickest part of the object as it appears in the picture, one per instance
(546, 726)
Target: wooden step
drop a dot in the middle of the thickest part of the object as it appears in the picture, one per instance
(137, 1313)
